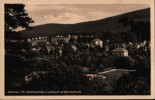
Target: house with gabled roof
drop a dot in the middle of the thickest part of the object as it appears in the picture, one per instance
(74, 47)
(49, 49)
(97, 42)
(120, 52)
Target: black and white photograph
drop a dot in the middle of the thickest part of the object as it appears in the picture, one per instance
(77, 49)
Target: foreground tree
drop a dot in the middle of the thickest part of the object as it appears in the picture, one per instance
(131, 85)
(16, 16)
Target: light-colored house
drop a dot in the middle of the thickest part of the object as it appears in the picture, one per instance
(93, 76)
(120, 52)
(106, 48)
(47, 43)
(66, 39)
(74, 47)
(34, 49)
(143, 44)
(84, 69)
(60, 52)
(49, 49)
(97, 42)
(74, 36)
(33, 43)
(39, 38)
(28, 40)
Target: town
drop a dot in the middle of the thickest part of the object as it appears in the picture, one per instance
(90, 54)
(108, 56)
(60, 46)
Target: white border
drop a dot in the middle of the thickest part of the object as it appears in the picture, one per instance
(151, 2)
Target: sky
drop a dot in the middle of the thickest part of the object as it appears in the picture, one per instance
(76, 13)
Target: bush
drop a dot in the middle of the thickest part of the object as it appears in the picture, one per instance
(123, 62)
(131, 85)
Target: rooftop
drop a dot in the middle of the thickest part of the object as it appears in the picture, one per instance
(119, 50)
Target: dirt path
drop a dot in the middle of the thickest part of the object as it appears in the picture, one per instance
(116, 70)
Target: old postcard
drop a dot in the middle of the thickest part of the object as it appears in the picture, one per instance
(77, 49)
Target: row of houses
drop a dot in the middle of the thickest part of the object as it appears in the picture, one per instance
(119, 50)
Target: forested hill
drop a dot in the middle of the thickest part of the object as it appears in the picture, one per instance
(110, 24)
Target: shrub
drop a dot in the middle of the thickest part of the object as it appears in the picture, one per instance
(123, 62)
(131, 85)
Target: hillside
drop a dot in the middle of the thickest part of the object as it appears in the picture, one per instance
(92, 27)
